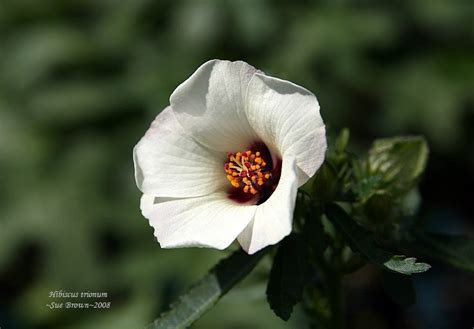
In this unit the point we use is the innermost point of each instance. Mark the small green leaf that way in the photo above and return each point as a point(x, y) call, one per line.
point(342, 140)
point(325, 184)
point(400, 160)
point(399, 288)
point(363, 241)
point(457, 251)
point(379, 206)
point(385, 180)
point(288, 276)
point(366, 184)
point(410, 203)
point(207, 292)
point(405, 265)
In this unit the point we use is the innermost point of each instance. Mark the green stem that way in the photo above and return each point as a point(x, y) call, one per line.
point(333, 294)
point(326, 305)
point(336, 300)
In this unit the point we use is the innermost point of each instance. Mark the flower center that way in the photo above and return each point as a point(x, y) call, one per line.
point(247, 171)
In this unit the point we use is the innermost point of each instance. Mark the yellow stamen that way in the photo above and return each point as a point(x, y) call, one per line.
point(247, 170)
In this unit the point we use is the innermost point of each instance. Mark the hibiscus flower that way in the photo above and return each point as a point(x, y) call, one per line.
point(224, 161)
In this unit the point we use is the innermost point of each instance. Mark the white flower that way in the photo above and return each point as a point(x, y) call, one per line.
point(226, 158)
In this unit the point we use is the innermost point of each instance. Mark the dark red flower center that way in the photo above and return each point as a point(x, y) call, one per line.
point(253, 174)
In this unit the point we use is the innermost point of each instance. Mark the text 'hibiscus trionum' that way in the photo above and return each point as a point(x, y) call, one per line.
point(226, 158)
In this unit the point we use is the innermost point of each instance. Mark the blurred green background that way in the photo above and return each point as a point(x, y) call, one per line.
point(80, 81)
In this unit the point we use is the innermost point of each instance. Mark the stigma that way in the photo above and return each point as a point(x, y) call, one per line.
point(247, 171)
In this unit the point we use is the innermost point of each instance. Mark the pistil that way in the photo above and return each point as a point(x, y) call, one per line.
point(247, 171)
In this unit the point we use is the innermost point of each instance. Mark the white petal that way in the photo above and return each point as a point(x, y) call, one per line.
point(273, 218)
point(170, 163)
point(210, 105)
point(286, 117)
point(210, 221)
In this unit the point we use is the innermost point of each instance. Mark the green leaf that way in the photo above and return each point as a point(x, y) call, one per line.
point(363, 241)
point(325, 184)
point(457, 251)
point(341, 141)
point(399, 288)
point(410, 203)
point(289, 274)
point(202, 296)
point(386, 178)
point(400, 160)
point(379, 207)
point(405, 265)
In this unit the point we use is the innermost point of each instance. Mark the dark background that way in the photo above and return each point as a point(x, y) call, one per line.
point(80, 81)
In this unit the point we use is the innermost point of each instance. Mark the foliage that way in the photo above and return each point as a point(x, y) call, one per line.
point(206, 293)
point(363, 242)
point(288, 277)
